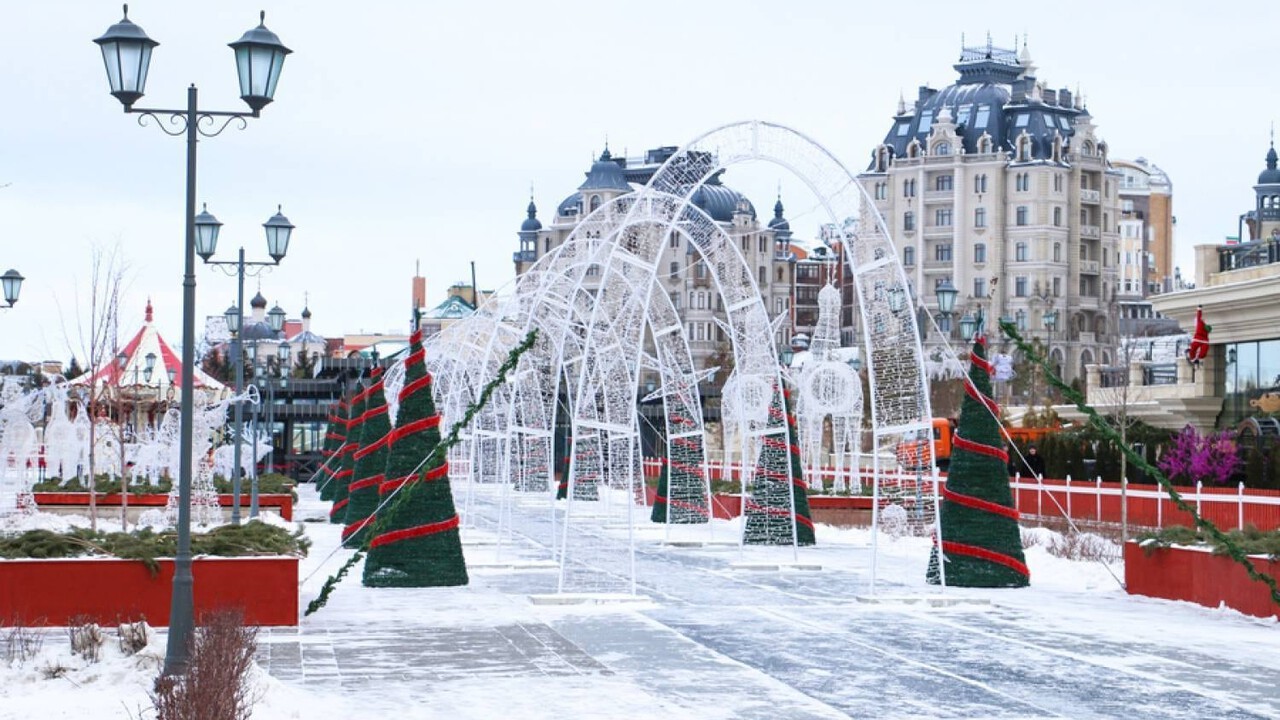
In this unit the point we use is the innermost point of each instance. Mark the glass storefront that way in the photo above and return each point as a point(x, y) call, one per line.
point(1252, 381)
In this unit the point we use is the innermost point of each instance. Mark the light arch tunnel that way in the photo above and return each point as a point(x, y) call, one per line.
point(604, 320)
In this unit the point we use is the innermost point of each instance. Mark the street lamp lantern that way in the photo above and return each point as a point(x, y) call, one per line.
point(946, 293)
point(967, 326)
point(1051, 320)
point(173, 373)
point(151, 363)
point(232, 315)
point(207, 227)
point(278, 230)
point(283, 353)
point(126, 51)
point(12, 282)
point(259, 58)
point(275, 318)
point(122, 360)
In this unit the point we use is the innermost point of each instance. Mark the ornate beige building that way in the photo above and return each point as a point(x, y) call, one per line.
point(1000, 185)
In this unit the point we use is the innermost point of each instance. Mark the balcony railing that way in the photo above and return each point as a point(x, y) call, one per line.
point(526, 256)
point(1090, 231)
point(1090, 196)
point(1089, 266)
point(1250, 254)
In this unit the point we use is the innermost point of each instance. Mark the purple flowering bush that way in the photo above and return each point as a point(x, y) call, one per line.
point(1192, 458)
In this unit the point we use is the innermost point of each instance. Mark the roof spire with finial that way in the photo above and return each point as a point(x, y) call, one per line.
point(149, 312)
point(902, 103)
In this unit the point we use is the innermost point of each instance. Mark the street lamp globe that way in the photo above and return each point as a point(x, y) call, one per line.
point(126, 51)
point(172, 373)
point(151, 362)
point(122, 360)
point(232, 315)
point(259, 58)
point(275, 318)
point(278, 230)
point(12, 282)
point(946, 293)
point(1051, 320)
point(207, 227)
point(283, 353)
point(967, 326)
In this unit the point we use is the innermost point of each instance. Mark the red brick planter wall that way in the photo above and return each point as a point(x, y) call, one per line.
point(110, 591)
point(281, 503)
point(1199, 576)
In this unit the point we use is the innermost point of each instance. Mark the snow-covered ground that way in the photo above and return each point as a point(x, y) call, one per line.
point(713, 638)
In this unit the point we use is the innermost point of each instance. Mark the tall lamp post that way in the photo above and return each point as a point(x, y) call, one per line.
point(11, 282)
point(126, 52)
point(279, 230)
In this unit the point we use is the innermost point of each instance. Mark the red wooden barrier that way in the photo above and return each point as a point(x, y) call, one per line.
point(280, 502)
point(1199, 576)
point(110, 591)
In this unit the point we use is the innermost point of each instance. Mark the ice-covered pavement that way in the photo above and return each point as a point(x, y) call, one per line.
point(718, 641)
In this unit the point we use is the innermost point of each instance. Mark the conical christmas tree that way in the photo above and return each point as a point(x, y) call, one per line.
point(334, 438)
point(347, 459)
point(371, 461)
point(981, 543)
point(417, 544)
point(769, 508)
point(681, 498)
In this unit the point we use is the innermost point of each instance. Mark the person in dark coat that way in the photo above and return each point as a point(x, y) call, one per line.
point(1032, 463)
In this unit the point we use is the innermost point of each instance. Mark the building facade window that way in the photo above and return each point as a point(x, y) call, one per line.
point(1020, 252)
point(1022, 182)
point(1057, 182)
point(1020, 215)
point(942, 252)
point(908, 255)
point(908, 221)
point(980, 217)
point(1020, 319)
point(908, 188)
point(979, 287)
point(1057, 287)
point(980, 253)
point(1057, 252)
point(980, 184)
point(675, 269)
point(943, 183)
point(942, 217)
point(1057, 217)
point(1020, 286)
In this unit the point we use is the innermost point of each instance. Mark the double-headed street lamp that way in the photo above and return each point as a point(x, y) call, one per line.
point(278, 230)
point(12, 285)
point(126, 52)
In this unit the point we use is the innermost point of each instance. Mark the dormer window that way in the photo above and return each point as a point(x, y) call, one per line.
point(942, 148)
point(595, 202)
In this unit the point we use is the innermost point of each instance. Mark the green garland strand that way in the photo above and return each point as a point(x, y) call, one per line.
point(406, 491)
point(1096, 420)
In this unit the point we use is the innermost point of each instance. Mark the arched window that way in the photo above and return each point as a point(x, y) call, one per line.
point(595, 202)
point(942, 149)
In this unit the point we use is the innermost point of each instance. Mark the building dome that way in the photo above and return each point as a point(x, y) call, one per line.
point(1270, 176)
point(531, 223)
point(778, 222)
point(258, 301)
point(995, 95)
point(606, 174)
point(306, 313)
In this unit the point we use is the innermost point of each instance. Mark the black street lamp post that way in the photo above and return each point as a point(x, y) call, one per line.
point(278, 230)
point(126, 52)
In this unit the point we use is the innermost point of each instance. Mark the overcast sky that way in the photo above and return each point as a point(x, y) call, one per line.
point(413, 130)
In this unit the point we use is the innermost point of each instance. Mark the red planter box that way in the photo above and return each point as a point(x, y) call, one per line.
point(281, 503)
point(110, 591)
point(1201, 577)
